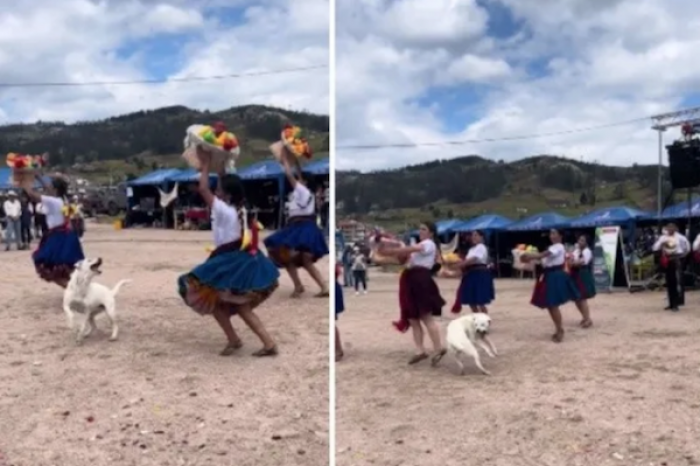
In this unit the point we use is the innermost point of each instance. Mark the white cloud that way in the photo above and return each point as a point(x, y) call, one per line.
point(605, 61)
point(85, 40)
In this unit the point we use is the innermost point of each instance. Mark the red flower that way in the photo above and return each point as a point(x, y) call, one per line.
point(20, 162)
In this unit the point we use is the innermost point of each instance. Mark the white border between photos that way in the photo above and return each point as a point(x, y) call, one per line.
point(331, 236)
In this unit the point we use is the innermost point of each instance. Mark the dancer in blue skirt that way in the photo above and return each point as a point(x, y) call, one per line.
point(301, 243)
point(59, 249)
point(476, 289)
point(582, 274)
point(232, 280)
point(339, 308)
point(554, 287)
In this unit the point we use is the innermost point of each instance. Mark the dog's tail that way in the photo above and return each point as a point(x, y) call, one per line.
point(118, 286)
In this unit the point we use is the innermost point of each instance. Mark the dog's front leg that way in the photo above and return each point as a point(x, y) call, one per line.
point(491, 346)
point(69, 314)
point(84, 330)
point(477, 361)
point(486, 348)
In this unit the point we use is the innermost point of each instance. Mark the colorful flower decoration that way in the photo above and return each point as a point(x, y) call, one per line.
point(295, 141)
point(26, 162)
point(219, 137)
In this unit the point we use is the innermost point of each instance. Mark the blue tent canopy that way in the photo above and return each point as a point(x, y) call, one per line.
point(318, 167)
point(155, 178)
point(190, 175)
point(611, 216)
point(540, 222)
point(681, 210)
point(265, 170)
point(446, 226)
point(6, 179)
point(490, 222)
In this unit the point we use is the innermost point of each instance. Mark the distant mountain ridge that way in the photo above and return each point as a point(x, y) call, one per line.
point(157, 132)
point(471, 185)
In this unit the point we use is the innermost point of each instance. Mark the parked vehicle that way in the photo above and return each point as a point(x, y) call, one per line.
point(105, 200)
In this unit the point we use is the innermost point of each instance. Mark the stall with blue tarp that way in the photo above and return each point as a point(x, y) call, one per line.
point(611, 216)
point(446, 227)
point(486, 223)
point(268, 170)
point(540, 222)
point(317, 167)
point(681, 210)
point(155, 178)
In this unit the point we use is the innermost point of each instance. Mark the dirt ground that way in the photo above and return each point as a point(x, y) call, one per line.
point(161, 395)
point(626, 392)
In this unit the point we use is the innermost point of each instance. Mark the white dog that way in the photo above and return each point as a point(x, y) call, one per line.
point(83, 296)
point(463, 336)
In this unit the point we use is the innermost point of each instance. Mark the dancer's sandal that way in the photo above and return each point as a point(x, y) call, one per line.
point(417, 358)
point(438, 357)
point(322, 294)
point(586, 323)
point(265, 352)
point(231, 348)
point(558, 337)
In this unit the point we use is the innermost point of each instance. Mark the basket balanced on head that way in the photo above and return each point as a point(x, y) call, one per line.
point(25, 166)
point(221, 144)
point(292, 146)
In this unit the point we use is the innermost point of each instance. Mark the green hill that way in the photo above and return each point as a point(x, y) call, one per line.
point(132, 144)
point(469, 186)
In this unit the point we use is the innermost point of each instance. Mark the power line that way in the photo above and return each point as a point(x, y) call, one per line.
point(163, 81)
point(491, 140)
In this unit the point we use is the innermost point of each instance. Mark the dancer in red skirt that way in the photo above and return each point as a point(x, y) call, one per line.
point(554, 287)
point(581, 271)
point(419, 295)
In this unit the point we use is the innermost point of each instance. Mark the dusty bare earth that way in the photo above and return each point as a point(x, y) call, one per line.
point(626, 392)
point(161, 395)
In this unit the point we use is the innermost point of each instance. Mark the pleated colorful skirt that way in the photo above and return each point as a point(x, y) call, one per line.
point(583, 277)
point(230, 278)
point(418, 295)
point(301, 236)
point(57, 254)
point(476, 288)
point(554, 288)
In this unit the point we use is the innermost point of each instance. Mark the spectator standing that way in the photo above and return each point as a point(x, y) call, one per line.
point(26, 222)
point(359, 271)
point(40, 226)
point(13, 213)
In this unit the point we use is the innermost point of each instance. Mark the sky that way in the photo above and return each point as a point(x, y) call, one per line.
point(416, 71)
point(116, 40)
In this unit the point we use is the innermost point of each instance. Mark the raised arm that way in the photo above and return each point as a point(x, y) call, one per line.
point(31, 192)
point(203, 187)
point(288, 171)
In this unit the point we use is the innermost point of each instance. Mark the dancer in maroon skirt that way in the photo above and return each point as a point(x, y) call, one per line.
point(419, 295)
point(581, 271)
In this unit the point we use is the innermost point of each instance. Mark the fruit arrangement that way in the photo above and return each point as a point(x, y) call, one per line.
point(23, 162)
point(221, 144)
point(451, 258)
point(295, 141)
point(221, 139)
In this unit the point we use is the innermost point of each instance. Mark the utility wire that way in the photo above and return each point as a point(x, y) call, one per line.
point(162, 81)
point(491, 140)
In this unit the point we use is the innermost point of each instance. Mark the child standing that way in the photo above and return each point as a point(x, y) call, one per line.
point(232, 280)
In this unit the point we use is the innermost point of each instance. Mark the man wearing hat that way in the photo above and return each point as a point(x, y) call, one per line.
point(674, 248)
point(13, 214)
